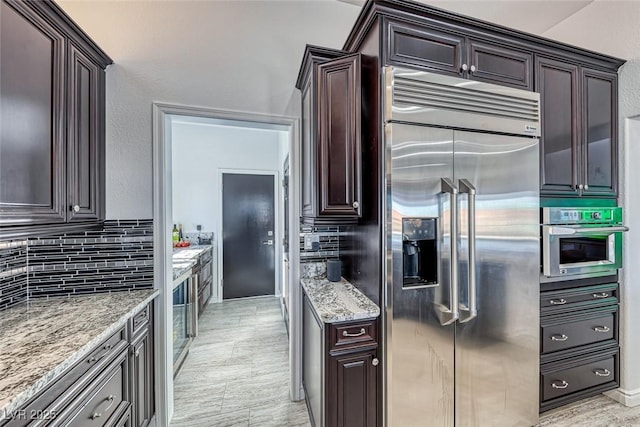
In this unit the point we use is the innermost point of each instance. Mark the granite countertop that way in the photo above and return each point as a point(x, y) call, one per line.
point(338, 301)
point(39, 340)
point(185, 258)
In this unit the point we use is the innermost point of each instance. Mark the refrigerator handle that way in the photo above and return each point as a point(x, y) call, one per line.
point(470, 311)
point(450, 314)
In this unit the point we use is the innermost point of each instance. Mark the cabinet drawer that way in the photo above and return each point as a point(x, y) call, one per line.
point(423, 47)
point(104, 402)
point(582, 375)
point(203, 298)
point(569, 332)
point(578, 298)
point(48, 404)
point(352, 335)
point(140, 320)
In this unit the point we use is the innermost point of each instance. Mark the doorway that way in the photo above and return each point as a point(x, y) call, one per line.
point(164, 116)
point(248, 235)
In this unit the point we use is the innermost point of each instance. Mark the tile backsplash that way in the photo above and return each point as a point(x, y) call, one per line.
point(326, 242)
point(118, 257)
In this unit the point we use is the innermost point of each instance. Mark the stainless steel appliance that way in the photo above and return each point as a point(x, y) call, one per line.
point(185, 317)
point(581, 242)
point(461, 252)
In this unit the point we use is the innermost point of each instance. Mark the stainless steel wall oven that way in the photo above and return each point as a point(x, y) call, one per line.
point(581, 242)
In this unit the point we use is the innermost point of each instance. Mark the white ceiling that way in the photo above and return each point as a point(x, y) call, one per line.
point(532, 16)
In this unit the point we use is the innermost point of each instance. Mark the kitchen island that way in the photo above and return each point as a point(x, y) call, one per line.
point(42, 339)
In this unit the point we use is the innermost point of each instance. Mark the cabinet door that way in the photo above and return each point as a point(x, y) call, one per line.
point(32, 154)
point(308, 154)
point(419, 46)
point(339, 162)
point(499, 65)
point(599, 139)
point(353, 378)
point(557, 83)
point(84, 144)
point(142, 391)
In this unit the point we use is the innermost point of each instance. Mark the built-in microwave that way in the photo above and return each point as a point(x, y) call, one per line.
point(581, 242)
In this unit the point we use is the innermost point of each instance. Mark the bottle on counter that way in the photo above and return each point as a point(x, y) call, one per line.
point(175, 235)
point(180, 236)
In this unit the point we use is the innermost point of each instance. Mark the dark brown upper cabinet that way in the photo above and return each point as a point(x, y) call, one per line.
point(331, 144)
point(52, 121)
point(450, 52)
point(579, 138)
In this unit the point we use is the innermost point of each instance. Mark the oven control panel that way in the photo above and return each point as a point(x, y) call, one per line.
point(582, 215)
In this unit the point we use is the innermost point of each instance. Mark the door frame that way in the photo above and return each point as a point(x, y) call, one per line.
point(277, 235)
point(162, 114)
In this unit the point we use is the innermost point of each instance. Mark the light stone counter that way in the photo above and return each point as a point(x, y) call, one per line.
point(39, 340)
point(338, 301)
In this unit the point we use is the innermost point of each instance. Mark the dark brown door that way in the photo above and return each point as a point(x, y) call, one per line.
point(248, 235)
point(418, 46)
point(339, 165)
point(354, 378)
point(599, 139)
point(83, 149)
point(499, 65)
point(557, 83)
point(142, 379)
point(32, 152)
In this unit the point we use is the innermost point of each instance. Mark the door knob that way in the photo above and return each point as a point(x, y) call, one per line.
point(356, 205)
point(75, 208)
point(465, 67)
point(472, 69)
point(375, 361)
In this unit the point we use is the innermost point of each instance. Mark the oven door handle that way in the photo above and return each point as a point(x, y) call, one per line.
point(567, 231)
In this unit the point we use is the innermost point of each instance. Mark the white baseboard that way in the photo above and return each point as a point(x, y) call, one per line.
point(626, 397)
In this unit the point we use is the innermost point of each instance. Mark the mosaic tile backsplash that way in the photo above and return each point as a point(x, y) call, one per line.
point(320, 243)
point(118, 257)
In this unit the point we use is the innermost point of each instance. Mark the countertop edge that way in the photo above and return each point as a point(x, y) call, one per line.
point(14, 403)
point(332, 319)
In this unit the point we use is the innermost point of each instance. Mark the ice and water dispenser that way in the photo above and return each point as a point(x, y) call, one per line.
point(419, 252)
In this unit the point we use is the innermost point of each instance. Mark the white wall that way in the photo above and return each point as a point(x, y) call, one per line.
point(234, 55)
point(613, 27)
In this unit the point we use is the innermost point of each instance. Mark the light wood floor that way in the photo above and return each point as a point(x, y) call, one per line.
point(237, 370)
point(599, 411)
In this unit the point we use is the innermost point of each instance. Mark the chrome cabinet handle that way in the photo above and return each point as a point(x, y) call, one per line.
point(359, 334)
point(601, 329)
point(96, 358)
point(464, 67)
point(375, 361)
point(561, 385)
point(560, 301)
point(448, 315)
point(602, 372)
point(601, 295)
point(110, 400)
point(74, 208)
point(356, 205)
point(472, 69)
point(470, 311)
point(560, 337)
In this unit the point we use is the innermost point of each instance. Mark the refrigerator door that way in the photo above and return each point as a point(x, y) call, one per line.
point(419, 348)
point(496, 357)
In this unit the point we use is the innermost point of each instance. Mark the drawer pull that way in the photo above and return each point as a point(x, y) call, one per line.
point(601, 329)
point(561, 337)
point(602, 372)
point(110, 400)
point(560, 385)
point(107, 348)
point(601, 295)
point(560, 301)
point(359, 334)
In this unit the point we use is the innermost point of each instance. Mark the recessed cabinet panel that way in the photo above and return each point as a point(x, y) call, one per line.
point(83, 138)
point(339, 136)
point(499, 65)
point(423, 47)
point(558, 86)
point(31, 113)
point(599, 115)
point(308, 154)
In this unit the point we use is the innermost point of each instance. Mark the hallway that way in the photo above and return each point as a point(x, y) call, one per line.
point(237, 371)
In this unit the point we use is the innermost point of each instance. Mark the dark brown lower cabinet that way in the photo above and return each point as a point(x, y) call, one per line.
point(340, 371)
point(113, 385)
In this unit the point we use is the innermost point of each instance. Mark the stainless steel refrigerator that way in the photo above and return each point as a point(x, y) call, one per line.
point(462, 252)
